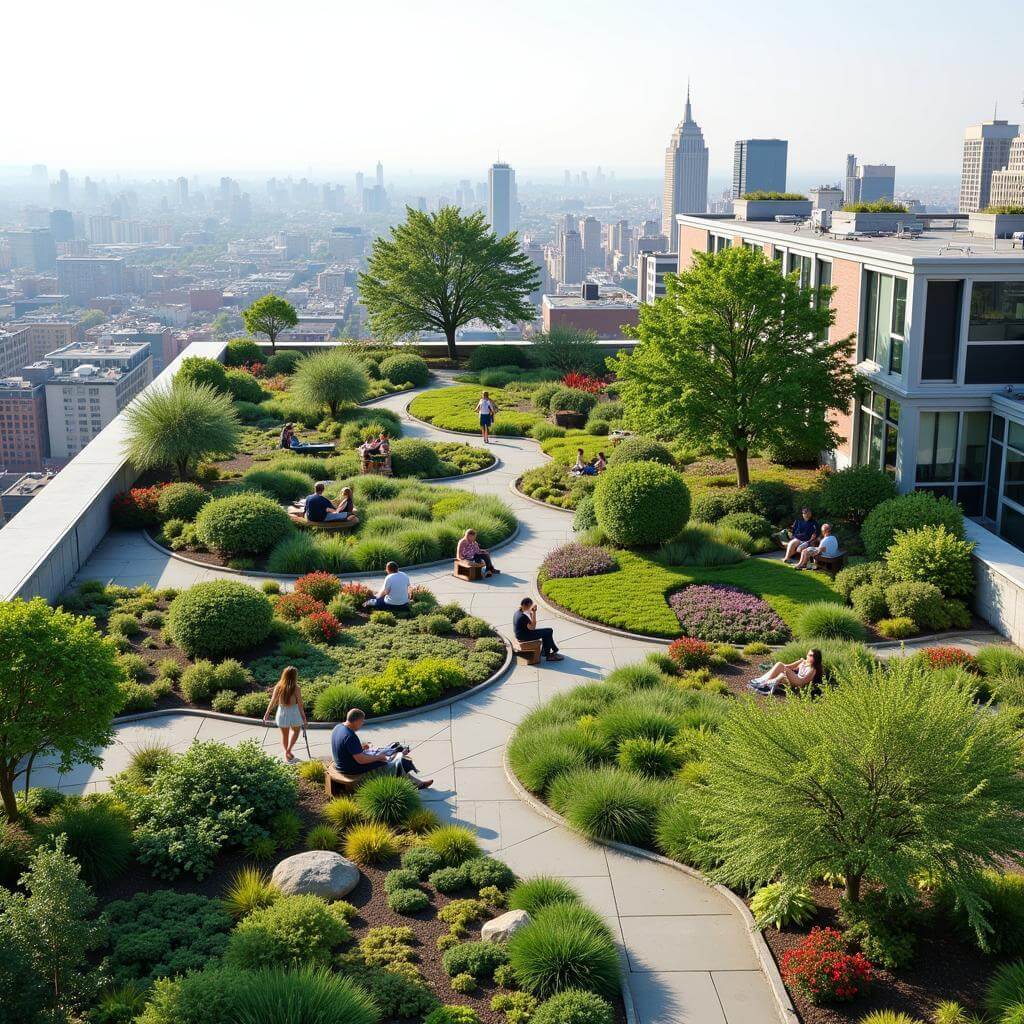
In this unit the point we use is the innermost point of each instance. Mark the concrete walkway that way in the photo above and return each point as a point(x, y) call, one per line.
point(689, 957)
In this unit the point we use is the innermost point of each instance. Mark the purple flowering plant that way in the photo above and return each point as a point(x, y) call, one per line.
point(574, 560)
point(723, 613)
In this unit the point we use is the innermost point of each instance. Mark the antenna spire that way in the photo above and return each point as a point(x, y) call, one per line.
point(688, 115)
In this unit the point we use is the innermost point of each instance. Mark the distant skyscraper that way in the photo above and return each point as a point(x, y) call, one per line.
point(182, 185)
point(380, 175)
point(1008, 184)
point(759, 165)
point(850, 185)
point(686, 175)
point(590, 233)
point(986, 149)
point(572, 269)
point(501, 192)
point(874, 182)
point(62, 226)
point(360, 177)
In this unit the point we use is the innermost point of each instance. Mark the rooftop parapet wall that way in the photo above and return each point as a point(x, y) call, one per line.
point(49, 540)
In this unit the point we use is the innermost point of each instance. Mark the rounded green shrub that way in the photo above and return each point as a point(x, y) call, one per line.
point(869, 602)
point(243, 351)
point(572, 400)
point(293, 931)
point(489, 871)
point(534, 894)
point(387, 798)
point(896, 629)
point(412, 457)
point(283, 362)
point(933, 555)
point(453, 1015)
point(284, 485)
point(575, 1006)
point(708, 508)
point(640, 504)
point(454, 844)
point(847, 580)
point(921, 602)
point(408, 901)
point(422, 861)
point(640, 449)
point(853, 492)
point(611, 804)
point(219, 617)
point(198, 370)
point(749, 522)
point(244, 387)
point(586, 515)
point(97, 834)
point(477, 959)
point(830, 621)
point(406, 368)
point(181, 501)
point(242, 524)
point(908, 512)
point(337, 701)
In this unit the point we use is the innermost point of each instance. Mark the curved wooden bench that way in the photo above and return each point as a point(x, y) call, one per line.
point(337, 524)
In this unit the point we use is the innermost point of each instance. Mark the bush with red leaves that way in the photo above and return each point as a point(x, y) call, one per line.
point(360, 591)
point(321, 586)
point(822, 969)
point(320, 628)
point(687, 652)
point(947, 657)
point(137, 508)
point(583, 382)
point(293, 607)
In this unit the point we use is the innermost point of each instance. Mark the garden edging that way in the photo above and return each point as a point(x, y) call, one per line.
point(513, 486)
point(783, 1004)
point(395, 716)
point(457, 433)
point(261, 574)
point(390, 394)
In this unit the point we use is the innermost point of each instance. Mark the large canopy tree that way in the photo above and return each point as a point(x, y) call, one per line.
point(440, 270)
point(737, 357)
point(270, 315)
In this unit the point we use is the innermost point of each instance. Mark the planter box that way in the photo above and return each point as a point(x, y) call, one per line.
point(871, 222)
point(995, 225)
point(572, 420)
point(769, 209)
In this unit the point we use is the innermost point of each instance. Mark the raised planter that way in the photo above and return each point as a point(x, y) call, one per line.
point(571, 420)
point(769, 209)
point(866, 223)
point(995, 225)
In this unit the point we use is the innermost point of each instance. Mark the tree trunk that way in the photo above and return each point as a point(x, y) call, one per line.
point(853, 887)
point(450, 338)
point(742, 469)
point(272, 335)
point(7, 793)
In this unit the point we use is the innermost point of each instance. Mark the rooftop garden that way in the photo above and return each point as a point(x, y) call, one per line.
point(878, 206)
point(1012, 209)
point(762, 196)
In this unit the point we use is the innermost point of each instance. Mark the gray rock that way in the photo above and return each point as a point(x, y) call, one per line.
point(318, 873)
point(502, 928)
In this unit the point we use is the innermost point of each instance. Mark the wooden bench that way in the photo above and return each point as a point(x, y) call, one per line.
point(831, 565)
point(530, 650)
point(375, 466)
point(296, 516)
point(468, 570)
point(336, 782)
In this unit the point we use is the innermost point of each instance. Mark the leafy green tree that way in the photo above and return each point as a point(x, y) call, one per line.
point(330, 378)
point(92, 318)
point(568, 350)
point(58, 690)
point(178, 426)
point(270, 316)
point(221, 324)
point(440, 270)
point(51, 927)
point(735, 356)
point(891, 774)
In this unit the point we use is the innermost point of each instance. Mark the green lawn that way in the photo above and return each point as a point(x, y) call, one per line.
point(635, 596)
point(454, 408)
point(563, 449)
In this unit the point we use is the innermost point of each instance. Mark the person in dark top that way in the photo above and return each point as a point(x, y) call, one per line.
point(524, 625)
point(318, 508)
point(353, 757)
point(804, 533)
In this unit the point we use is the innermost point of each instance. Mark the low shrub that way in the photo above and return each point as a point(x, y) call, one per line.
point(830, 621)
point(908, 512)
point(292, 931)
point(884, 929)
point(574, 1006)
point(566, 399)
point(821, 969)
point(896, 629)
point(453, 844)
point(219, 617)
point(484, 872)
point(97, 833)
point(641, 449)
point(477, 959)
point(869, 602)
point(574, 560)
point(610, 804)
point(15, 850)
point(782, 904)
point(181, 501)
point(136, 508)
point(453, 1015)
point(284, 485)
point(387, 798)
point(450, 880)
point(242, 524)
point(408, 901)
point(933, 555)
point(370, 844)
point(921, 602)
point(422, 861)
point(405, 368)
point(723, 613)
point(688, 652)
point(643, 503)
point(849, 579)
point(750, 523)
point(853, 492)
point(533, 894)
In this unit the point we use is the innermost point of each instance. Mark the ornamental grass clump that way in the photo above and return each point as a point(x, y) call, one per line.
point(719, 612)
point(574, 560)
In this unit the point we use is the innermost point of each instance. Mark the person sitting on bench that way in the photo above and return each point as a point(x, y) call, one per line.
point(353, 757)
point(290, 442)
point(828, 547)
point(377, 448)
point(524, 625)
point(470, 551)
point(318, 508)
point(394, 595)
point(804, 532)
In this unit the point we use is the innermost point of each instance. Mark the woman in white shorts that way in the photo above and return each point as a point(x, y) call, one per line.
point(291, 715)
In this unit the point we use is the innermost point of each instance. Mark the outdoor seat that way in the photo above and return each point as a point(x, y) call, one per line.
point(470, 571)
point(295, 514)
point(376, 466)
point(831, 565)
point(336, 782)
point(529, 650)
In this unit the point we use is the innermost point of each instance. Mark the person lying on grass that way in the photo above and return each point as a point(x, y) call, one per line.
point(796, 675)
point(470, 551)
point(353, 757)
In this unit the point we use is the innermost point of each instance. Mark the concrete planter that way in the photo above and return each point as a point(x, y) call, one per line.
point(866, 223)
point(995, 225)
point(769, 209)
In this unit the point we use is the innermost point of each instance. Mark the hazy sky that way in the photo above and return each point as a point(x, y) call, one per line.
point(188, 86)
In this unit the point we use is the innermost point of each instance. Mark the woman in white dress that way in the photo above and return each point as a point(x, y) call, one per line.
point(797, 674)
point(291, 715)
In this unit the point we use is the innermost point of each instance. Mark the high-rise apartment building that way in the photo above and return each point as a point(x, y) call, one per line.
point(535, 252)
point(1008, 184)
point(85, 277)
point(128, 330)
point(62, 226)
point(590, 233)
point(986, 150)
point(24, 434)
point(32, 248)
point(181, 186)
point(867, 183)
point(45, 333)
point(650, 276)
point(850, 179)
point(620, 239)
point(13, 349)
point(571, 269)
point(380, 175)
point(500, 197)
point(759, 165)
point(686, 174)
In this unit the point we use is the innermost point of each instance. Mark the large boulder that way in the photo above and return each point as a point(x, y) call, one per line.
point(502, 928)
point(317, 873)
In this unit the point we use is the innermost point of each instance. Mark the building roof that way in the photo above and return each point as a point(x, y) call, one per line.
point(621, 301)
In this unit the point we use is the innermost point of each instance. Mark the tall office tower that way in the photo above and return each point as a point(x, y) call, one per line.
point(32, 248)
point(759, 165)
point(686, 175)
point(62, 225)
point(874, 182)
point(572, 258)
point(535, 253)
point(101, 229)
point(359, 186)
point(1008, 184)
point(467, 191)
point(500, 193)
point(850, 186)
point(85, 277)
point(182, 184)
point(566, 224)
point(590, 233)
point(986, 149)
point(380, 175)
point(60, 190)
point(568, 178)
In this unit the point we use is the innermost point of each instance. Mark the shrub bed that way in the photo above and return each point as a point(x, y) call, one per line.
point(726, 613)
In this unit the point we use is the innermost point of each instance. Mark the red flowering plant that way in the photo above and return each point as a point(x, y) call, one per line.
point(279, 382)
point(321, 586)
point(583, 382)
point(822, 969)
point(320, 628)
point(688, 652)
point(137, 508)
point(295, 606)
point(256, 369)
point(947, 657)
point(360, 591)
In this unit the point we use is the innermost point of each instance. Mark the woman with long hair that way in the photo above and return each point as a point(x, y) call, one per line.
point(797, 674)
point(291, 715)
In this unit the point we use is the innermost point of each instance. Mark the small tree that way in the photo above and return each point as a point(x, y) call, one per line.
point(330, 378)
point(50, 926)
point(440, 270)
point(736, 356)
point(91, 318)
point(893, 773)
point(270, 316)
point(568, 350)
point(178, 426)
point(58, 690)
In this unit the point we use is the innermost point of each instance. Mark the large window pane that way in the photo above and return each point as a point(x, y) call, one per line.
point(870, 314)
point(882, 322)
point(1012, 527)
point(1016, 435)
point(891, 440)
point(970, 499)
point(973, 446)
point(863, 432)
point(995, 465)
point(876, 441)
point(936, 447)
point(994, 364)
point(997, 311)
point(941, 330)
point(899, 306)
point(1013, 484)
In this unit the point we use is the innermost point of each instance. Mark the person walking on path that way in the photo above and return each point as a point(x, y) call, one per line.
point(487, 410)
point(291, 715)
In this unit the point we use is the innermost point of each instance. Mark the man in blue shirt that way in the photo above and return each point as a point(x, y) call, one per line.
point(318, 508)
point(804, 533)
point(353, 757)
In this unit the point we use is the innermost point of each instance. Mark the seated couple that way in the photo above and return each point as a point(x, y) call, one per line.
point(796, 675)
point(470, 551)
point(318, 508)
point(596, 465)
point(807, 540)
point(291, 443)
point(377, 447)
point(353, 757)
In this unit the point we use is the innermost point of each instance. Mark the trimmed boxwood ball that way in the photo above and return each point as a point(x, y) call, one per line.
point(640, 449)
point(405, 368)
point(219, 617)
point(642, 503)
point(282, 484)
point(908, 512)
point(572, 400)
point(757, 526)
point(411, 457)
point(408, 901)
point(181, 501)
point(242, 524)
point(853, 492)
point(241, 351)
point(574, 1006)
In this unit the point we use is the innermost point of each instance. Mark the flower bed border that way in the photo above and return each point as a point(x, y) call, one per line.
point(783, 1004)
point(394, 716)
point(513, 486)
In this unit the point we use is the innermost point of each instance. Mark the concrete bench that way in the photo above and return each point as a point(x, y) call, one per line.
point(470, 571)
point(337, 782)
point(529, 650)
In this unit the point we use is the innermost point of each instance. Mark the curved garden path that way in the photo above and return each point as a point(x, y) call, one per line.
point(688, 954)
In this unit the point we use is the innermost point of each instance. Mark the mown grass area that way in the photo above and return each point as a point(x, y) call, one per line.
point(454, 408)
point(635, 596)
point(563, 449)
